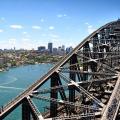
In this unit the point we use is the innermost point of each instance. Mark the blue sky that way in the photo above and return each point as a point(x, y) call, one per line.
point(31, 23)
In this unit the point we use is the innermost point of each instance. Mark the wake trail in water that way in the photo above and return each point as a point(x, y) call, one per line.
point(14, 88)
point(12, 81)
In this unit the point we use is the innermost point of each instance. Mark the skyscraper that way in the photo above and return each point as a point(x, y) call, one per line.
point(41, 48)
point(50, 47)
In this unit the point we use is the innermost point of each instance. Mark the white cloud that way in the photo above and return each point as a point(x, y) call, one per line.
point(90, 28)
point(87, 23)
point(64, 15)
point(25, 39)
point(51, 27)
point(42, 20)
point(16, 26)
point(53, 35)
point(61, 15)
point(44, 34)
point(36, 27)
point(1, 30)
point(24, 32)
point(2, 19)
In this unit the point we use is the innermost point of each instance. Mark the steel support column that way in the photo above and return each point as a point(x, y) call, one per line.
point(85, 65)
point(63, 96)
point(73, 60)
point(54, 94)
point(95, 46)
point(25, 110)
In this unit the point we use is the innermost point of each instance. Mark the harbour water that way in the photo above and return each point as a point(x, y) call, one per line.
point(14, 81)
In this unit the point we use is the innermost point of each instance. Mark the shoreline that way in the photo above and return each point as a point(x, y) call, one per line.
point(7, 68)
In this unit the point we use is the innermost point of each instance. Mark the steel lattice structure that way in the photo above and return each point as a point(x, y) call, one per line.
point(84, 85)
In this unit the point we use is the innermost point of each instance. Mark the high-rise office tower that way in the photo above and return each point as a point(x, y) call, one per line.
point(50, 47)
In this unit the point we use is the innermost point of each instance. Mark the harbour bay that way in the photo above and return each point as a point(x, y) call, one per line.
point(16, 80)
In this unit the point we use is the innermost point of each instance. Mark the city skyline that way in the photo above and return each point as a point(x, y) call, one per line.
point(46, 47)
point(28, 24)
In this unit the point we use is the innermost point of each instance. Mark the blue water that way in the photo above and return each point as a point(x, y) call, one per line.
point(14, 81)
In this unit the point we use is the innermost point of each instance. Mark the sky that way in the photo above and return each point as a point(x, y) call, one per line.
point(28, 24)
